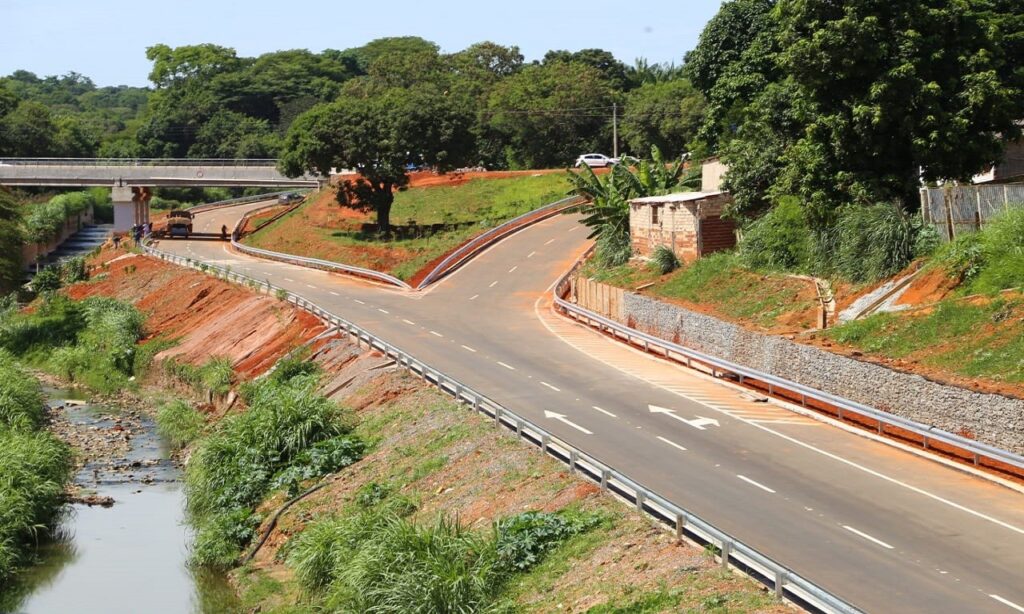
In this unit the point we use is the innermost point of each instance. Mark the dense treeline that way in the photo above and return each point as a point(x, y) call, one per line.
point(206, 101)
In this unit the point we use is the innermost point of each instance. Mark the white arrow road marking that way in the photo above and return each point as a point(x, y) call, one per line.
point(867, 537)
point(1007, 602)
point(561, 418)
point(699, 423)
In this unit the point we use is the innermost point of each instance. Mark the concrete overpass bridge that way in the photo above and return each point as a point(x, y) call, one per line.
point(132, 179)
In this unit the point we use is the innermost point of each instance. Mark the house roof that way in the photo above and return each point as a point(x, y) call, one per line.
point(678, 197)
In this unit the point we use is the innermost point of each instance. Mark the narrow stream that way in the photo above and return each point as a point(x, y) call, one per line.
point(130, 557)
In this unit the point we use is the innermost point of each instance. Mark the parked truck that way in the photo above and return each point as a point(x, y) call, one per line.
point(179, 223)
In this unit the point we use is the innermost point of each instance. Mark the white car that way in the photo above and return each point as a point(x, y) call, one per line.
point(595, 160)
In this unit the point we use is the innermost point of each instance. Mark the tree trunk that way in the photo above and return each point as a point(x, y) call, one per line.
point(383, 199)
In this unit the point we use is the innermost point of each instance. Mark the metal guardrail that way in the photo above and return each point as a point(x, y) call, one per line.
point(316, 263)
point(929, 434)
point(241, 200)
point(785, 582)
point(137, 162)
point(472, 247)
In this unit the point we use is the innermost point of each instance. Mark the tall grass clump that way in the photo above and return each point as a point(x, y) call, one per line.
point(378, 560)
point(179, 423)
point(21, 400)
point(287, 428)
point(34, 469)
point(665, 260)
point(780, 240)
point(990, 260)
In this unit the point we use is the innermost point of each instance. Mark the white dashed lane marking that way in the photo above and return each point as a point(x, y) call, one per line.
point(359, 301)
point(550, 242)
point(493, 283)
point(436, 334)
point(509, 367)
point(604, 411)
point(513, 269)
point(552, 387)
point(867, 537)
point(671, 443)
point(753, 483)
point(409, 322)
point(473, 298)
point(383, 310)
point(468, 349)
point(531, 254)
point(333, 293)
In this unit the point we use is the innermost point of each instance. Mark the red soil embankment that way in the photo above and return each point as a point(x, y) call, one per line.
point(205, 316)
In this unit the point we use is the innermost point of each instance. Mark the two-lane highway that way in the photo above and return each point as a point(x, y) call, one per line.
point(883, 528)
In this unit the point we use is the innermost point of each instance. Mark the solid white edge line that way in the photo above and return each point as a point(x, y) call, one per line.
point(507, 366)
point(1007, 602)
point(753, 483)
point(552, 387)
point(672, 443)
point(867, 537)
point(468, 349)
point(604, 411)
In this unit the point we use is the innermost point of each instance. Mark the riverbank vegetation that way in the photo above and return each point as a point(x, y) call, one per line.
point(35, 467)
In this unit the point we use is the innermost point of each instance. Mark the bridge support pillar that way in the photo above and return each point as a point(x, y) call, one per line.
point(131, 207)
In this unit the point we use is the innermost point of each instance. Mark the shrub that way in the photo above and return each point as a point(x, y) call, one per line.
point(962, 258)
point(47, 280)
point(322, 458)
point(179, 423)
point(21, 401)
point(665, 260)
point(34, 470)
point(780, 240)
point(874, 242)
point(73, 270)
point(524, 539)
point(219, 539)
point(216, 375)
point(1002, 246)
point(613, 249)
point(292, 367)
point(236, 465)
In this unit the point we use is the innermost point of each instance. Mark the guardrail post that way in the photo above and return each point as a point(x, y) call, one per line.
point(640, 501)
point(604, 479)
point(519, 428)
point(680, 523)
point(544, 439)
point(572, 461)
point(780, 584)
point(458, 393)
point(726, 550)
point(497, 414)
point(476, 404)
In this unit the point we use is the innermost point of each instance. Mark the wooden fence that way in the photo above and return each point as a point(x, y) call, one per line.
point(954, 210)
point(596, 296)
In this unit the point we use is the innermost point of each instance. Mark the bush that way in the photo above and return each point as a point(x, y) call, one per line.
point(1002, 247)
point(219, 539)
point(236, 466)
point(780, 240)
point(216, 375)
point(524, 539)
point(21, 400)
point(874, 242)
point(73, 270)
point(179, 423)
point(613, 249)
point(322, 458)
point(665, 260)
point(34, 470)
point(47, 280)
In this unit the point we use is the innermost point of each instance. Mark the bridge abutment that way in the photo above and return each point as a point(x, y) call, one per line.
point(131, 207)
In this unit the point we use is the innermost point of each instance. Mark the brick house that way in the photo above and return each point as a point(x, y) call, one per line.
point(688, 223)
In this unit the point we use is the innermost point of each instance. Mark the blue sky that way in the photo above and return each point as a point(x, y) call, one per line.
point(106, 39)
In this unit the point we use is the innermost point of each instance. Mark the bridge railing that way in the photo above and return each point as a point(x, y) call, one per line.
point(729, 550)
point(137, 162)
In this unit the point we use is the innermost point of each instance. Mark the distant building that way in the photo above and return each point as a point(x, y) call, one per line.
point(688, 223)
point(1009, 169)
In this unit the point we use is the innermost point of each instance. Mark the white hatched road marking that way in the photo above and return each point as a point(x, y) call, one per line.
point(867, 537)
point(753, 483)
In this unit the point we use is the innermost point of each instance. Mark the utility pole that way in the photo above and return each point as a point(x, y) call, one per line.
point(615, 130)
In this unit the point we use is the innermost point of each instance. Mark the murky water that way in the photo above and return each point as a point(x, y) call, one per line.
point(128, 558)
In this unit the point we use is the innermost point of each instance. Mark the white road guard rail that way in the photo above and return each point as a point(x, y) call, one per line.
point(785, 582)
point(314, 263)
point(138, 162)
point(931, 437)
point(481, 242)
point(241, 200)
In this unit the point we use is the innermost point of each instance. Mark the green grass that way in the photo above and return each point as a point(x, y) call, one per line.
point(34, 469)
point(290, 433)
point(718, 280)
point(975, 340)
point(466, 210)
point(179, 423)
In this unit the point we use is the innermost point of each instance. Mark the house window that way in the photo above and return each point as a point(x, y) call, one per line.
point(655, 216)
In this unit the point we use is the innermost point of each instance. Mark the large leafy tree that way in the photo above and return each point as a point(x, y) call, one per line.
point(378, 135)
point(666, 115)
point(551, 113)
point(11, 240)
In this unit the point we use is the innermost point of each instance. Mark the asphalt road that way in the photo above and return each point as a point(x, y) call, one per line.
point(885, 529)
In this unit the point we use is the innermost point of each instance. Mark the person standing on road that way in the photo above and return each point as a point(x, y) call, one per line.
point(224, 232)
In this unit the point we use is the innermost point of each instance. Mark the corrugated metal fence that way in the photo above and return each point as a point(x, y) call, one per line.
point(954, 210)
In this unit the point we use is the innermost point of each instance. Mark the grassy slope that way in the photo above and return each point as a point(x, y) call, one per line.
point(717, 284)
point(451, 461)
point(482, 202)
